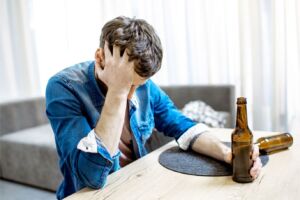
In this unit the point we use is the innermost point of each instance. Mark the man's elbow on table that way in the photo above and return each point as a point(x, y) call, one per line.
point(90, 174)
point(92, 180)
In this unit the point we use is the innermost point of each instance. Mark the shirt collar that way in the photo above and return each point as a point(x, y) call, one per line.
point(134, 100)
point(95, 92)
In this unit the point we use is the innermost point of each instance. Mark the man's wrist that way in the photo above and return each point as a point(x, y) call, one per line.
point(227, 155)
point(119, 93)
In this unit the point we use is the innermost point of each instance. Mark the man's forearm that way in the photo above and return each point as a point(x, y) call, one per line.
point(209, 145)
point(110, 124)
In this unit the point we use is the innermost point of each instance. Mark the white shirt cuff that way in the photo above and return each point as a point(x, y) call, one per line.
point(186, 138)
point(88, 143)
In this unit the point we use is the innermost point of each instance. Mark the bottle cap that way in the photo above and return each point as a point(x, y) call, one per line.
point(241, 100)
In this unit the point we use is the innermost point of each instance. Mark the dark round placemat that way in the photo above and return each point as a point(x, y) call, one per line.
point(192, 163)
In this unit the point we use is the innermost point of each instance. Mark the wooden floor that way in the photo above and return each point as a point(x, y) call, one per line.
point(16, 191)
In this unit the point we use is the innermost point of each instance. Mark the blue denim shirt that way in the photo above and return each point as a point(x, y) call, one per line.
point(73, 105)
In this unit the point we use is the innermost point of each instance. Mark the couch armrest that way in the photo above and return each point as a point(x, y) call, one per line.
point(21, 114)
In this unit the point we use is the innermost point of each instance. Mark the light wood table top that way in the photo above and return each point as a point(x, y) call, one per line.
point(147, 179)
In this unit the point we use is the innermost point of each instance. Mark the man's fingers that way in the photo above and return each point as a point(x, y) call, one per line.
point(100, 73)
point(125, 60)
point(256, 165)
point(99, 70)
point(254, 172)
point(106, 50)
point(116, 52)
point(255, 152)
point(125, 56)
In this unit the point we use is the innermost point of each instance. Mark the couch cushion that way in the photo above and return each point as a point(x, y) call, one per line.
point(201, 112)
point(227, 118)
point(219, 97)
point(29, 156)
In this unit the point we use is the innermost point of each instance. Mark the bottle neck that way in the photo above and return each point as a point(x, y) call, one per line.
point(241, 117)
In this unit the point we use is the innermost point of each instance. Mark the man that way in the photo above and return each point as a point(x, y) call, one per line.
point(102, 112)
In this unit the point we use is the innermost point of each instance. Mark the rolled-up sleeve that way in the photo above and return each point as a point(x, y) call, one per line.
point(70, 127)
point(186, 138)
point(93, 144)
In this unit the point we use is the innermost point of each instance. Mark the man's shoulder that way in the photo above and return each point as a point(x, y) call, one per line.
point(69, 79)
point(153, 90)
point(78, 73)
point(152, 86)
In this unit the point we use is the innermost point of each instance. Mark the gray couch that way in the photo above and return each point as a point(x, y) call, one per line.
point(27, 147)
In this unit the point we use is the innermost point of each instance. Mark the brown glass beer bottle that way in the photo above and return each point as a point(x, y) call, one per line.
point(274, 143)
point(241, 145)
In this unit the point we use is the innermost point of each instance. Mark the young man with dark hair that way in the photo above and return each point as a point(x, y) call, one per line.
point(102, 112)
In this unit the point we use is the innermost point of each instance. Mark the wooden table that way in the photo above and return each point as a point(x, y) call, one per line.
point(147, 179)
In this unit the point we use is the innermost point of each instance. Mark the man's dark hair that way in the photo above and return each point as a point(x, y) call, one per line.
point(139, 37)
